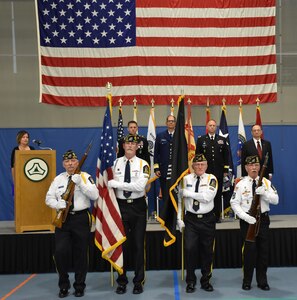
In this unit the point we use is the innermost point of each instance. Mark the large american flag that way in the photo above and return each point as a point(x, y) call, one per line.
point(109, 231)
point(210, 49)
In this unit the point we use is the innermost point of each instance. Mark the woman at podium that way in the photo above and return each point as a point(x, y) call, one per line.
point(22, 139)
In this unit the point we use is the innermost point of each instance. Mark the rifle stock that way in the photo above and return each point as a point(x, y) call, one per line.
point(255, 209)
point(68, 194)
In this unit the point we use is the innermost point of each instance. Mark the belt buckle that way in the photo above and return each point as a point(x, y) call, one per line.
point(199, 216)
point(129, 200)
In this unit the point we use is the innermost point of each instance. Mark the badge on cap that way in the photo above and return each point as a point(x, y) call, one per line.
point(69, 154)
point(199, 157)
point(131, 138)
point(252, 160)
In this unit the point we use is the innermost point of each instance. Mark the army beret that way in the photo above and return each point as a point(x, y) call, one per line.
point(252, 160)
point(199, 157)
point(130, 138)
point(69, 154)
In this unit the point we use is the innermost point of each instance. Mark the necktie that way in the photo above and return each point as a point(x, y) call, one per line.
point(212, 138)
point(170, 136)
point(259, 149)
point(72, 199)
point(195, 202)
point(127, 178)
point(254, 186)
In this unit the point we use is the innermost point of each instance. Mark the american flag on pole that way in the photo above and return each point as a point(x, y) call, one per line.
point(109, 231)
point(151, 48)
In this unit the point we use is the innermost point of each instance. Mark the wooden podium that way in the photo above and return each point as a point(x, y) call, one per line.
point(34, 172)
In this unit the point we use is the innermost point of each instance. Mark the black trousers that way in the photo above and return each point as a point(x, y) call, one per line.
point(256, 254)
point(134, 221)
point(73, 238)
point(199, 234)
point(218, 197)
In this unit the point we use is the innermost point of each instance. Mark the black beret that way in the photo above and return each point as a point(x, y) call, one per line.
point(69, 154)
point(252, 160)
point(131, 138)
point(199, 157)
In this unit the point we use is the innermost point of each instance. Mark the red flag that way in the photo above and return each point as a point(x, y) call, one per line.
point(190, 136)
point(207, 119)
point(150, 48)
point(109, 231)
point(258, 117)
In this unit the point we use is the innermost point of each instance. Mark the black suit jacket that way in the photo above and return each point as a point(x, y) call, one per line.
point(216, 154)
point(249, 149)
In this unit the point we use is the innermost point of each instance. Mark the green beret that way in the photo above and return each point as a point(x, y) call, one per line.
point(131, 138)
point(199, 157)
point(69, 154)
point(252, 160)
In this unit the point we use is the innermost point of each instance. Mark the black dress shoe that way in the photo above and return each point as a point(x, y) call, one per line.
point(63, 293)
point(264, 287)
point(246, 286)
point(207, 287)
point(79, 293)
point(190, 288)
point(138, 289)
point(121, 289)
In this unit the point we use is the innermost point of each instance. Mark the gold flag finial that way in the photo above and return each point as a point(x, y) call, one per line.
point(108, 87)
point(135, 102)
point(258, 101)
point(153, 103)
point(120, 102)
point(240, 102)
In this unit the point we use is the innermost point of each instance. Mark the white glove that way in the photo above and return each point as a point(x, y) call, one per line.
point(114, 184)
point(61, 204)
point(76, 178)
point(186, 193)
point(180, 225)
point(249, 219)
point(260, 190)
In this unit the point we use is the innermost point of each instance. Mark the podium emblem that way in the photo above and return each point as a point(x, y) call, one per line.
point(36, 169)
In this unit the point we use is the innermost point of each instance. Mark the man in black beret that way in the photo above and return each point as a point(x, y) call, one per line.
point(255, 254)
point(131, 174)
point(199, 190)
point(75, 231)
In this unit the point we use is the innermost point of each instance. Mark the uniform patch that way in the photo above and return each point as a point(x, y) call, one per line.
point(213, 183)
point(146, 169)
point(189, 185)
point(234, 195)
point(91, 180)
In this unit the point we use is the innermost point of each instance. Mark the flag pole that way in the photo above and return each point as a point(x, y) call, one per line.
point(108, 98)
point(222, 198)
point(172, 107)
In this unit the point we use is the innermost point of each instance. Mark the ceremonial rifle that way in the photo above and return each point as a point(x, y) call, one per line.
point(69, 193)
point(255, 209)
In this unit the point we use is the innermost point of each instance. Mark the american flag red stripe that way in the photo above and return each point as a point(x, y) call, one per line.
point(210, 49)
point(109, 230)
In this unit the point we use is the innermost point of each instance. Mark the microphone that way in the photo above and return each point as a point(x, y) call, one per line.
point(37, 142)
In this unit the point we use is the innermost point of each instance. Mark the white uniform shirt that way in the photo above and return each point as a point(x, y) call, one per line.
point(208, 186)
point(140, 173)
point(83, 193)
point(243, 195)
